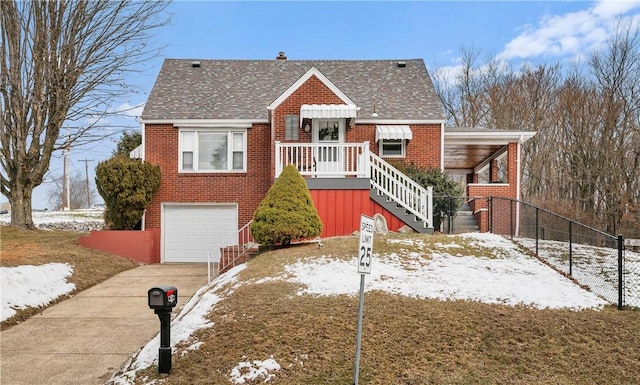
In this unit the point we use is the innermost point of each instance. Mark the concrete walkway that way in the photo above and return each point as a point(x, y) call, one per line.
point(84, 339)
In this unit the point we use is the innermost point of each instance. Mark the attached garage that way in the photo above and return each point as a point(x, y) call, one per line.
point(191, 231)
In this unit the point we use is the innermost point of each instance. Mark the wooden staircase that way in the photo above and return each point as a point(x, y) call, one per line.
point(400, 195)
point(400, 212)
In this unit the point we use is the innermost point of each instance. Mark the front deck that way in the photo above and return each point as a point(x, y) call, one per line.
point(354, 160)
point(335, 160)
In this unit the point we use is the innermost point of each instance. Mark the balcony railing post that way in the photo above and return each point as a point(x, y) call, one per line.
point(279, 165)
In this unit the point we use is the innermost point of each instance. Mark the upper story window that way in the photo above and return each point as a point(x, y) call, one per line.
point(392, 148)
point(212, 151)
point(291, 127)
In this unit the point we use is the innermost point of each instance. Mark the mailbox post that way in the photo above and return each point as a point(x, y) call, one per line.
point(162, 299)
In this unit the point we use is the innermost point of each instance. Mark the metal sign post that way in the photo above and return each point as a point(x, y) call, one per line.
point(365, 250)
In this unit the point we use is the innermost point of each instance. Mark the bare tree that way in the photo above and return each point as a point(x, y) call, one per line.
point(63, 61)
point(77, 193)
point(585, 159)
point(462, 92)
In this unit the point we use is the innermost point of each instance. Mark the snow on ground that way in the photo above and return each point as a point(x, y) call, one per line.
point(32, 286)
point(508, 277)
point(192, 317)
point(595, 267)
point(249, 371)
point(442, 271)
point(48, 217)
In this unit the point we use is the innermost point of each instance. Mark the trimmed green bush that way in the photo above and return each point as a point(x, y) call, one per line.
point(287, 212)
point(127, 187)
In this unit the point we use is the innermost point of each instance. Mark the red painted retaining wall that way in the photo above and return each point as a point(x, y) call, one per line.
point(141, 246)
point(340, 211)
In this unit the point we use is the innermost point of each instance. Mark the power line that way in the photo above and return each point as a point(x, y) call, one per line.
point(86, 170)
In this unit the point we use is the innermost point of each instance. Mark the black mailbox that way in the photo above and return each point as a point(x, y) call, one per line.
point(163, 297)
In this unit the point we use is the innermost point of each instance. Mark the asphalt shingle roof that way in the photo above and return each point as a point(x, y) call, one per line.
point(242, 89)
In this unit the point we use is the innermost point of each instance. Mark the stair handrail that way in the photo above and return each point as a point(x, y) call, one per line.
point(402, 189)
point(242, 246)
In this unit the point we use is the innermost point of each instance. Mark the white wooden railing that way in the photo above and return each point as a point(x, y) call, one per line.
point(325, 160)
point(401, 189)
point(355, 160)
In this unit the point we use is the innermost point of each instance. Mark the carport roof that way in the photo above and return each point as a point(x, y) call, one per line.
point(465, 148)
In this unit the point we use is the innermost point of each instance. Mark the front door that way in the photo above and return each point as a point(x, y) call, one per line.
point(329, 134)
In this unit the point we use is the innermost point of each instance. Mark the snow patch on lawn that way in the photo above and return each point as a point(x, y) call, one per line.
point(32, 286)
point(192, 317)
point(510, 277)
point(255, 370)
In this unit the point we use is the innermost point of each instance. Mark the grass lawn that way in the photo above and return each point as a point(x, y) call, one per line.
point(405, 340)
point(36, 247)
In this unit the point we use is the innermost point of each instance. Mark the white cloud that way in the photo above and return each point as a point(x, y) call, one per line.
point(609, 9)
point(569, 34)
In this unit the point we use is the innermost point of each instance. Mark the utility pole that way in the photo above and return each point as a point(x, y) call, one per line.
point(66, 196)
point(66, 188)
point(86, 173)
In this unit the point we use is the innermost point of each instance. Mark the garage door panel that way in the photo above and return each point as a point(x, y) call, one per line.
point(192, 231)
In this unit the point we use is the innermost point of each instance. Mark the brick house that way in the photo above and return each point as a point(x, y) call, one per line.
point(222, 130)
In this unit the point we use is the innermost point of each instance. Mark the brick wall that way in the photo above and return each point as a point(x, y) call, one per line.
point(501, 221)
point(246, 189)
point(423, 149)
point(313, 91)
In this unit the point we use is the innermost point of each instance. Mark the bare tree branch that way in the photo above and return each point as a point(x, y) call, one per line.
point(64, 61)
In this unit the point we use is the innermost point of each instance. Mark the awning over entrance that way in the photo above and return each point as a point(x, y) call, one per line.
point(393, 132)
point(327, 111)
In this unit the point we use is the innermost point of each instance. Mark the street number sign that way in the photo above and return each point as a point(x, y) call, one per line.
point(365, 250)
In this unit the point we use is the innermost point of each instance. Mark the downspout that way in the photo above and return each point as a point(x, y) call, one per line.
point(518, 181)
point(143, 154)
point(442, 146)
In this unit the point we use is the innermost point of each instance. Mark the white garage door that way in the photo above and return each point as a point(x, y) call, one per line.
point(191, 231)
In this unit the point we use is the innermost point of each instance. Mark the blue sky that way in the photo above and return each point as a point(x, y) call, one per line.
point(517, 31)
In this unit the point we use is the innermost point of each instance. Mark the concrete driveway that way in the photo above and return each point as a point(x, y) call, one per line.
point(84, 339)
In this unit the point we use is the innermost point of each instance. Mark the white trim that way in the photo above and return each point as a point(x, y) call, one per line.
point(442, 147)
point(488, 184)
point(226, 130)
point(487, 161)
point(313, 71)
point(397, 121)
point(403, 149)
point(208, 123)
point(487, 137)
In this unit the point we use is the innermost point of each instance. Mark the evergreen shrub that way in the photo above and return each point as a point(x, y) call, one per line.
point(287, 212)
point(127, 187)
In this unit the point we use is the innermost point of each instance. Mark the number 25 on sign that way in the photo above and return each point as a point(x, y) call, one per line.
point(366, 244)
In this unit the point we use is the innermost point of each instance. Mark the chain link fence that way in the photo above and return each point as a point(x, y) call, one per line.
point(453, 215)
point(594, 259)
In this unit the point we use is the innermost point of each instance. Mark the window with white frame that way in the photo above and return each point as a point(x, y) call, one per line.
point(212, 150)
point(392, 148)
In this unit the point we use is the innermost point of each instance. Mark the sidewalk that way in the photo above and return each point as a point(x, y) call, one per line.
point(84, 339)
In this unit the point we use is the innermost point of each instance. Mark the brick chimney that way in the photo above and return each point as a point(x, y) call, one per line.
point(281, 56)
